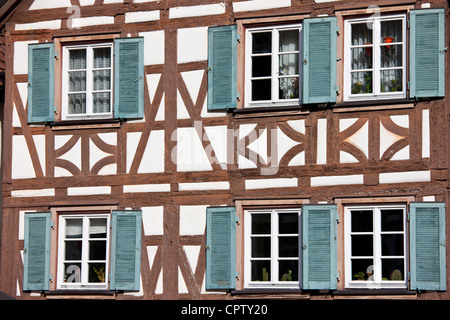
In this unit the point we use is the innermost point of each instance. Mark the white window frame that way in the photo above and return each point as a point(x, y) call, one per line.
point(274, 283)
point(377, 282)
point(83, 284)
point(89, 83)
point(275, 102)
point(376, 68)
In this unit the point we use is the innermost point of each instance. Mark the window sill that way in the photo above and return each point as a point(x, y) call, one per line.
point(368, 105)
point(80, 294)
point(271, 293)
point(85, 124)
point(273, 111)
point(374, 294)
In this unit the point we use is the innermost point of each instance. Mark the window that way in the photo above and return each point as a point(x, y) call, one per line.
point(375, 58)
point(272, 248)
point(83, 251)
point(272, 65)
point(87, 81)
point(375, 246)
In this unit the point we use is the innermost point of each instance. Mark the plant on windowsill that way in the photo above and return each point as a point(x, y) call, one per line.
point(359, 276)
point(287, 276)
point(100, 272)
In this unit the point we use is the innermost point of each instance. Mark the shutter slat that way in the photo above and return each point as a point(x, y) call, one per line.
point(319, 247)
point(319, 60)
point(222, 66)
point(41, 86)
point(125, 250)
point(221, 248)
point(427, 246)
point(36, 275)
point(427, 42)
point(129, 78)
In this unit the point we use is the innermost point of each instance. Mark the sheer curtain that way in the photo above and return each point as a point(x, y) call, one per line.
point(391, 56)
point(102, 80)
point(77, 81)
point(288, 64)
point(362, 58)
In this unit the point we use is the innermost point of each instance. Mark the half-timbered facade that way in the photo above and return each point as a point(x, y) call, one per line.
point(226, 149)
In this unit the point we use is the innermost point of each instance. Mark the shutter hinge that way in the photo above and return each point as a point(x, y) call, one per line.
point(443, 51)
point(238, 96)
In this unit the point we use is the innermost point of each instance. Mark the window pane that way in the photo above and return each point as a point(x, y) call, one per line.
point(288, 64)
point(392, 220)
point(102, 80)
point(97, 250)
point(77, 81)
point(261, 66)
point(261, 90)
point(261, 247)
point(362, 33)
point(361, 82)
point(261, 224)
point(362, 245)
point(362, 269)
point(391, 56)
point(289, 40)
point(77, 59)
point(362, 221)
point(260, 270)
point(74, 228)
point(72, 272)
point(72, 250)
point(97, 228)
point(77, 103)
point(392, 244)
point(288, 246)
point(288, 223)
point(288, 88)
point(102, 57)
point(391, 80)
point(97, 272)
point(392, 269)
point(361, 58)
point(102, 102)
point(262, 42)
point(391, 31)
point(288, 270)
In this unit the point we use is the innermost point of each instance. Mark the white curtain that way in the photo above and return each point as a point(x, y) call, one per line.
point(288, 64)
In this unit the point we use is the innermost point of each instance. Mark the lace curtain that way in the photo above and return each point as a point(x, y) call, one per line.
point(288, 64)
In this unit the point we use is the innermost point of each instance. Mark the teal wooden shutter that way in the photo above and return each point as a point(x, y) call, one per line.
point(41, 82)
point(36, 254)
point(319, 60)
point(222, 68)
point(129, 78)
point(427, 246)
point(125, 250)
point(427, 53)
point(221, 248)
point(319, 227)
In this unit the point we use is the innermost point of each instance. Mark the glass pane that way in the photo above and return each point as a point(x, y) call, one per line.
point(392, 244)
point(77, 59)
point(362, 33)
point(97, 272)
point(288, 88)
point(261, 247)
point(391, 80)
point(362, 221)
point(288, 223)
point(102, 102)
point(102, 58)
point(260, 270)
point(261, 223)
point(391, 56)
point(102, 80)
point(77, 103)
point(361, 58)
point(362, 245)
point(288, 270)
point(72, 272)
point(391, 31)
point(97, 228)
point(289, 40)
point(97, 250)
point(392, 220)
point(362, 269)
point(74, 228)
point(261, 66)
point(261, 90)
point(77, 81)
point(262, 42)
point(288, 246)
point(73, 250)
point(361, 82)
point(288, 64)
point(392, 269)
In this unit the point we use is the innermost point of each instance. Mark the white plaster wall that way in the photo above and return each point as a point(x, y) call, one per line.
point(153, 47)
point(73, 155)
point(271, 183)
point(197, 11)
point(52, 24)
point(321, 141)
point(95, 154)
point(152, 219)
point(192, 44)
point(20, 65)
point(190, 155)
point(49, 4)
point(252, 5)
point(22, 166)
point(141, 16)
point(192, 220)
